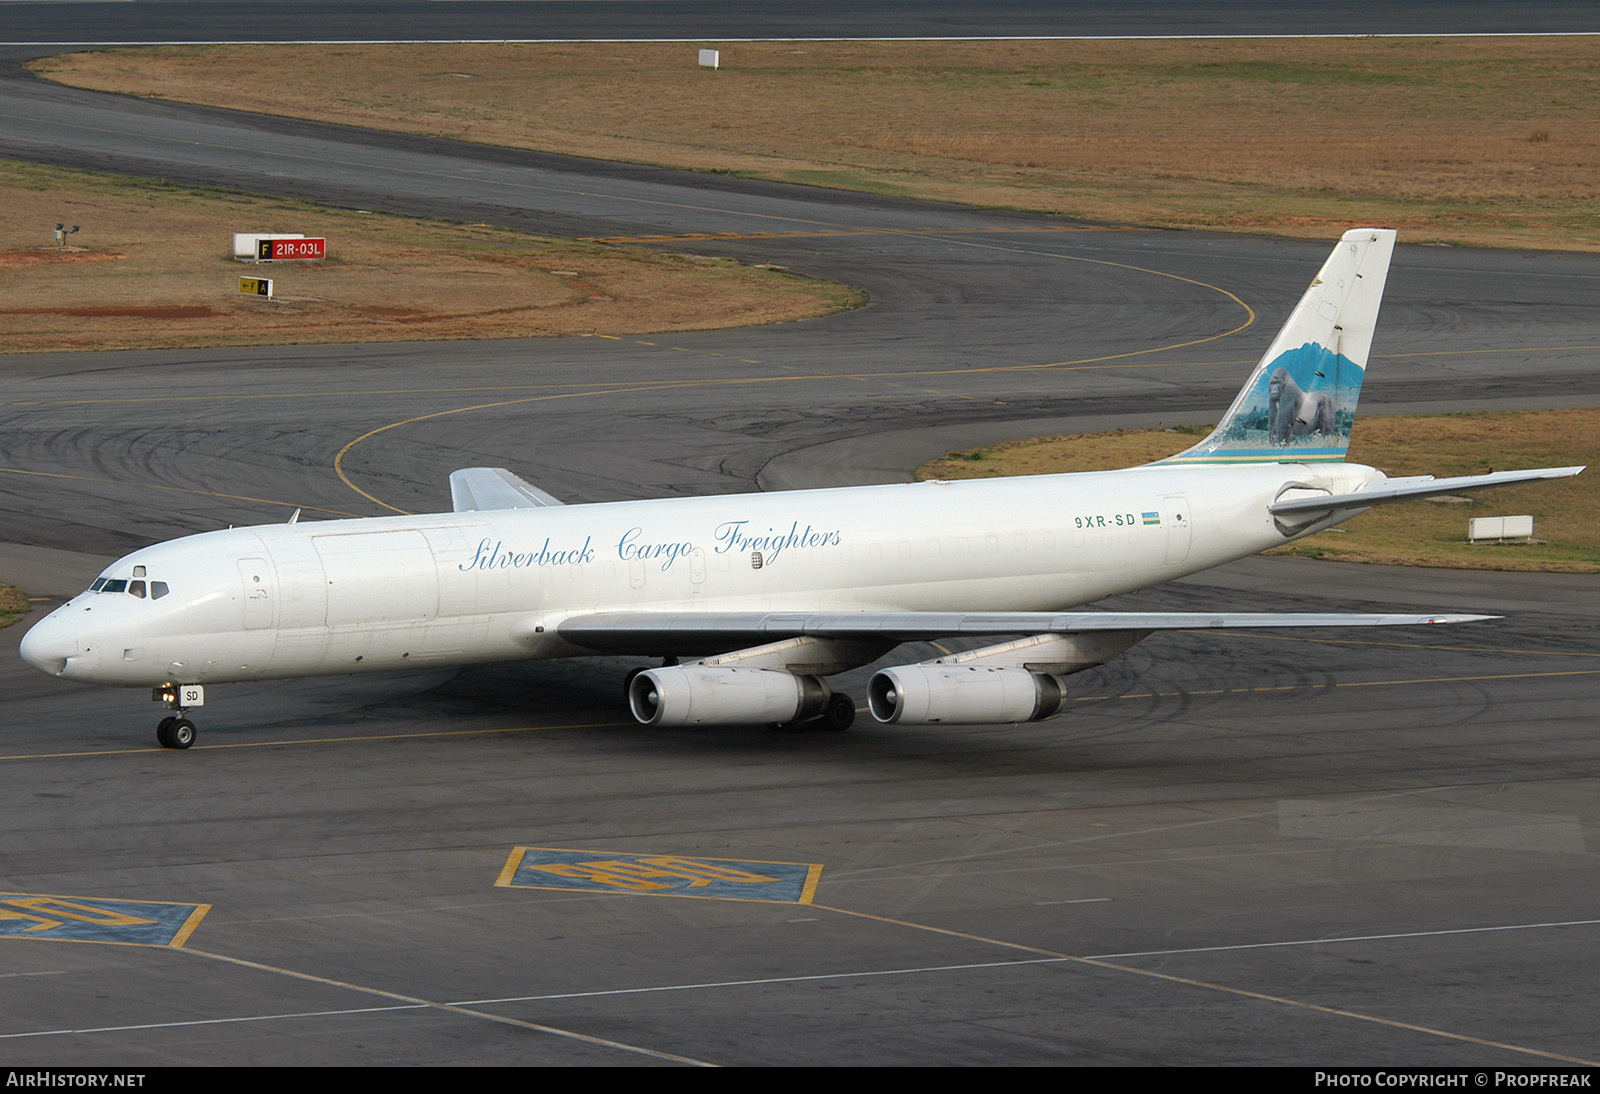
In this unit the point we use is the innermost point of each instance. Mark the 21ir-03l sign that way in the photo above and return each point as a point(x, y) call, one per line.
point(282, 250)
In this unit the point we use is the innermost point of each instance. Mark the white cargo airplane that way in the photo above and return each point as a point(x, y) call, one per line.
point(752, 599)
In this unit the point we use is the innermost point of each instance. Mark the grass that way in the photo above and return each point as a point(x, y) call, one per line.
point(13, 605)
point(1566, 512)
point(152, 268)
point(1437, 137)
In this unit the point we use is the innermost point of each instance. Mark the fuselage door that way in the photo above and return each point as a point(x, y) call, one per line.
point(255, 576)
point(697, 571)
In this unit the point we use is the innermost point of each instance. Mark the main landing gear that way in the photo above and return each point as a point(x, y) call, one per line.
point(175, 730)
point(838, 716)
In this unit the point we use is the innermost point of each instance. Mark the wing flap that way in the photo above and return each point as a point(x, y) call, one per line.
point(655, 632)
point(478, 488)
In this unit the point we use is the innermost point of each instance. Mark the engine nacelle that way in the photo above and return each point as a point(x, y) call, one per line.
point(962, 695)
point(715, 696)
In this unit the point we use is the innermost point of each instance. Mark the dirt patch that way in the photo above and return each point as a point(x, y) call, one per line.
point(13, 605)
point(154, 269)
point(51, 257)
point(1492, 140)
point(151, 311)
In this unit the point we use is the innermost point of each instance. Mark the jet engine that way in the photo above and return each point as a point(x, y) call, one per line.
point(962, 695)
point(713, 696)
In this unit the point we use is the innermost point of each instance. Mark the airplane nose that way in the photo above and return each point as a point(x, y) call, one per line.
point(49, 643)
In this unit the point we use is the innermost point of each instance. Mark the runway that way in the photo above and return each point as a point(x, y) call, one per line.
point(107, 21)
point(1230, 849)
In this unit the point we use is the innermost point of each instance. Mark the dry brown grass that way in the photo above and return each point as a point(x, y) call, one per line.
point(13, 605)
point(1297, 137)
point(152, 268)
point(1566, 512)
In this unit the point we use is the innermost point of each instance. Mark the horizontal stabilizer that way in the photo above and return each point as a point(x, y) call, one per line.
point(656, 632)
point(474, 489)
point(1420, 486)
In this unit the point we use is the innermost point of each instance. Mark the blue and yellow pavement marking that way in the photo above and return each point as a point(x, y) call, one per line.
point(660, 875)
point(95, 919)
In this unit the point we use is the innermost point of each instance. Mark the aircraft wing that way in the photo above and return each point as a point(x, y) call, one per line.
point(478, 488)
point(656, 632)
point(1419, 486)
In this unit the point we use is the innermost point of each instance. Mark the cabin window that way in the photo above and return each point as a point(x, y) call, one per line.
point(117, 586)
point(138, 571)
point(98, 585)
point(158, 589)
point(136, 588)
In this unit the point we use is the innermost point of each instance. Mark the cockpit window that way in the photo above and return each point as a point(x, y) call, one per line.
point(136, 587)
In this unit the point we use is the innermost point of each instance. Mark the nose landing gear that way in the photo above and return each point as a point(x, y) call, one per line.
point(175, 733)
point(176, 730)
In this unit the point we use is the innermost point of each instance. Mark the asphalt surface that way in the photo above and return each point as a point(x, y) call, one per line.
point(1336, 850)
point(95, 21)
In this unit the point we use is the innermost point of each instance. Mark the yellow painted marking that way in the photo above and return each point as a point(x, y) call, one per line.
point(61, 909)
point(1207, 985)
point(338, 459)
point(638, 876)
point(808, 892)
point(175, 490)
point(40, 923)
point(1100, 362)
point(317, 741)
point(509, 870)
point(628, 872)
point(179, 939)
point(47, 912)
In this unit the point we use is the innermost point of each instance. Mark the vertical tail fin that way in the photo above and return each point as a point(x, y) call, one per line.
point(1300, 401)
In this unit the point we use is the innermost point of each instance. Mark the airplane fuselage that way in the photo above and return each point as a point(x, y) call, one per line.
point(345, 596)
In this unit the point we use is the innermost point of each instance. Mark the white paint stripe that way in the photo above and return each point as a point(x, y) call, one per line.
point(210, 1022)
point(813, 978)
point(1349, 938)
point(1034, 961)
point(1080, 900)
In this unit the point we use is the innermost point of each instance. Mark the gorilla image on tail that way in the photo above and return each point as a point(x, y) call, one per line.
point(1293, 413)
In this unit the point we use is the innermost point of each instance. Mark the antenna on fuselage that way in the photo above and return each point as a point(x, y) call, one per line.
point(294, 517)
